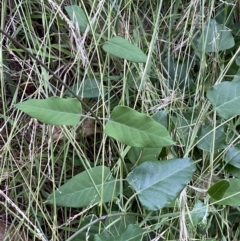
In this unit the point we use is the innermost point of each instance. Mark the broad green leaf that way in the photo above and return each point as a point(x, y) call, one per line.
point(179, 74)
point(136, 129)
point(232, 194)
point(215, 38)
point(233, 170)
point(134, 80)
point(208, 142)
point(162, 118)
point(83, 190)
point(115, 226)
point(236, 77)
point(237, 60)
point(199, 213)
point(122, 48)
point(218, 189)
point(89, 88)
point(225, 98)
point(158, 183)
point(77, 15)
point(236, 29)
point(53, 110)
point(139, 155)
point(232, 156)
point(132, 233)
point(224, 15)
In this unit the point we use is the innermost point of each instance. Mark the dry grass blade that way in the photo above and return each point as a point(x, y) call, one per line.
point(10, 233)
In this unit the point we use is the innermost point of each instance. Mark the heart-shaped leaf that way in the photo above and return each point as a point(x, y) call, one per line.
point(88, 187)
point(121, 48)
point(218, 189)
point(53, 110)
point(158, 183)
point(225, 98)
point(215, 38)
point(136, 129)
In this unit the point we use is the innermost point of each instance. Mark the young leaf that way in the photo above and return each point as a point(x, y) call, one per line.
point(232, 195)
point(218, 189)
point(77, 15)
point(215, 38)
point(88, 187)
point(53, 110)
point(232, 156)
point(158, 183)
point(132, 233)
point(225, 98)
point(121, 48)
point(136, 129)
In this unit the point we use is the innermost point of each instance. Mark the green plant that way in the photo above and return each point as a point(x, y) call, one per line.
point(159, 91)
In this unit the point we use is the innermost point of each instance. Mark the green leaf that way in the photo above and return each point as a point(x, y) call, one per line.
point(158, 183)
point(215, 38)
point(237, 60)
point(206, 137)
point(183, 125)
point(77, 15)
point(199, 213)
point(232, 170)
point(179, 74)
point(121, 48)
point(115, 226)
point(224, 15)
point(88, 187)
point(89, 88)
point(218, 189)
point(236, 77)
point(225, 98)
point(136, 129)
point(236, 29)
point(232, 156)
point(139, 155)
point(53, 110)
point(232, 194)
point(132, 233)
point(90, 231)
point(162, 118)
